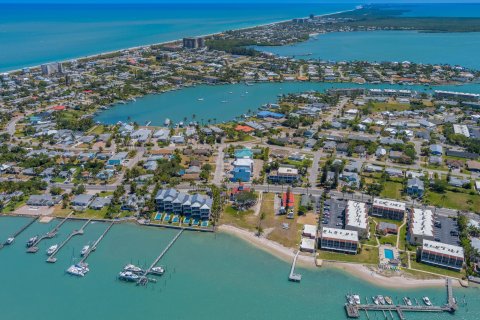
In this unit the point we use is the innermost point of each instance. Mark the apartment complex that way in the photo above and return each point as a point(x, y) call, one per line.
point(284, 174)
point(339, 240)
point(173, 201)
point(442, 254)
point(356, 218)
point(388, 209)
point(420, 226)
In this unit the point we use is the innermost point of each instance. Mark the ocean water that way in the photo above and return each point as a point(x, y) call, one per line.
point(461, 10)
point(176, 105)
point(377, 46)
point(210, 276)
point(31, 34)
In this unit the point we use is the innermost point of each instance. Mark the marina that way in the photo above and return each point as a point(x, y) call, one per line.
point(52, 258)
point(11, 239)
point(33, 247)
point(353, 309)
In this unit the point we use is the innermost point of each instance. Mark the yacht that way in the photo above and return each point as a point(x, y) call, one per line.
point(132, 268)
point(157, 271)
point(375, 300)
point(381, 299)
point(74, 271)
point(356, 299)
point(407, 301)
point(31, 241)
point(52, 249)
point(167, 122)
point(10, 240)
point(388, 300)
point(350, 299)
point(200, 99)
point(128, 276)
point(84, 250)
point(427, 301)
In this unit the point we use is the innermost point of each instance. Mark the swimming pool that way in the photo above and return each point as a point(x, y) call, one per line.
point(388, 254)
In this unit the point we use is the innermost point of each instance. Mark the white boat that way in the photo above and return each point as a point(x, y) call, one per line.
point(84, 250)
point(157, 271)
point(128, 276)
point(388, 300)
point(407, 301)
point(132, 268)
point(167, 122)
point(10, 240)
point(356, 299)
point(74, 271)
point(381, 299)
point(32, 241)
point(350, 299)
point(375, 300)
point(52, 249)
point(200, 99)
point(427, 301)
point(224, 101)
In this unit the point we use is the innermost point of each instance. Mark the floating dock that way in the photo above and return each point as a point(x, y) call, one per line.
point(295, 277)
point(52, 258)
point(16, 234)
point(49, 235)
point(353, 310)
point(143, 280)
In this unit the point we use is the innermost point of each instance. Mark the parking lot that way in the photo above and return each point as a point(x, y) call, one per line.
point(333, 214)
point(446, 230)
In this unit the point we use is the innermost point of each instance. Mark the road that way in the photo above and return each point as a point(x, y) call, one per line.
point(219, 166)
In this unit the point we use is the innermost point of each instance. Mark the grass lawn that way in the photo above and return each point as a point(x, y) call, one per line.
point(392, 190)
point(455, 200)
point(403, 237)
point(241, 219)
point(428, 268)
point(386, 106)
point(368, 255)
point(390, 239)
point(92, 214)
point(372, 241)
point(12, 206)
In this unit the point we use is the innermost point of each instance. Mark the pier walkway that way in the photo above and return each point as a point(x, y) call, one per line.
point(353, 310)
point(52, 258)
point(95, 244)
point(143, 280)
point(16, 234)
point(295, 277)
point(49, 235)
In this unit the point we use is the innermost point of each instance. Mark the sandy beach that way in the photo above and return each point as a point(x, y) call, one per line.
point(357, 270)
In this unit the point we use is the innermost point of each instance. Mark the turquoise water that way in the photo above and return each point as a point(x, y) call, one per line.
point(388, 254)
point(176, 105)
point(31, 34)
point(378, 46)
point(209, 277)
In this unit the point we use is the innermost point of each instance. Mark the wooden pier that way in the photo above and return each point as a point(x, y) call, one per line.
point(16, 234)
point(52, 258)
point(353, 310)
point(143, 280)
point(49, 235)
point(95, 244)
point(295, 277)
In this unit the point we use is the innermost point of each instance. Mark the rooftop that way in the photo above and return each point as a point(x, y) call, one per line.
point(390, 204)
point(443, 248)
point(339, 234)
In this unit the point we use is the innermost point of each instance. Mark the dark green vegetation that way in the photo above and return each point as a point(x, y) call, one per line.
point(384, 17)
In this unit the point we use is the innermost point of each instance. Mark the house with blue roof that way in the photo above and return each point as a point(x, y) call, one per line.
point(415, 187)
point(436, 149)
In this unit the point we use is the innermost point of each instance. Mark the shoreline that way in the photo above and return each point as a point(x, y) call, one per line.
point(144, 46)
point(359, 271)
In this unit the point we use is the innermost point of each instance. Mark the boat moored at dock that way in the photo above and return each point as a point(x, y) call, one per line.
point(31, 241)
point(52, 249)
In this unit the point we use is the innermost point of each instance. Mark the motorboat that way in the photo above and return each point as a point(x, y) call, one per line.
point(167, 122)
point(381, 299)
point(427, 301)
point(350, 299)
point(375, 300)
point(31, 241)
point(388, 300)
point(407, 301)
point(157, 271)
point(10, 241)
point(356, 299)
point(200, 99)
point(132, 268)
point(84, 250)
point(52, 249)
point(128, 276)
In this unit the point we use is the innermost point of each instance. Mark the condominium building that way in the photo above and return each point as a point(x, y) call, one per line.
point(176, 202)
point(193, 43)
point(339, 240)
point(284, 174)
point(388, 209)
point(442, 255)
point(356, 218)
point(420, 226)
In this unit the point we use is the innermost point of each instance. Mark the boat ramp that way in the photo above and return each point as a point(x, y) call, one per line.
point(353, 310)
